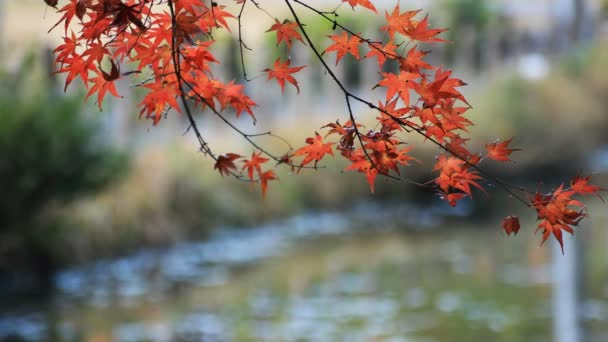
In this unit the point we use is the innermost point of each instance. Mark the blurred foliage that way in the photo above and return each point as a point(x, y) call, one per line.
point(172, 194)
point(49, 156)
point(558, 121)
point(463, 15)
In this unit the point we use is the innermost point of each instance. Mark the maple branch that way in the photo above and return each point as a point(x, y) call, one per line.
point(335, 23)
point(212, 5)
point(193, 125)
point(175, 56)
point(256, 4)
point(404, 124)
point(246, 136)
point(349, 94)
point(241, 42)
point(369, 158)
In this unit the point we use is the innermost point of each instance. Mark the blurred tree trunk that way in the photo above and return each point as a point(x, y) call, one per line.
point(578, 20)
point(1, 26)
point(567, 295)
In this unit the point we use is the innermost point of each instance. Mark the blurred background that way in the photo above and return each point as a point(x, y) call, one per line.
point(112, 229)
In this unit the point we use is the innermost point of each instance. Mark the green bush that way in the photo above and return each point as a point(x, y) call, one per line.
point(49, 156)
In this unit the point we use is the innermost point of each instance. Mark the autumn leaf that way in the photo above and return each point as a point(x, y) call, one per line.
point(362, 164)
point(422, 33)
point(315, 151)
point(344, 44)
point(286, 160)
point(580, 185)
point(214, 18)
point(286, 32)
point(282, 72)
point(225, 163)
point(234, 95)
point(413, 61)
point(453, 198)
point(73, 8)
point(556, 212)
point(382, 52)
point(398, 84)
point(347, 133)
point(511, 225)
point(452, 116)
point(500, 150)
point(67, 50)
point(102, 84)
point(52, 3)
point(363, 3)
point(171, 47)
point(114, 72)
point(455, 176)
point(254, 164)
point(264, 179)
point(441, 88)
point(159, 97)
point(397, 22)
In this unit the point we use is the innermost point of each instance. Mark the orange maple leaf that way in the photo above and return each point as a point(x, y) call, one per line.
point(500, 151)
point(556, 213)
point(413, 61)
point(363, 3)
point(264, 179)
point(396, 22)
point(382, 52)
point(361, 163)
point(254, 164)
point(581, 185)
point(286, 32)
point(422, 33)
point(344, 44)
point(398, 84)
point(455, 175)
point(282, 72)
point(315, 150)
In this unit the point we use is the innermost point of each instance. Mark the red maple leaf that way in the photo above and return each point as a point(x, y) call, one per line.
point(225, 163)
point(104, 83)
point(511, 225)
point(580, 185)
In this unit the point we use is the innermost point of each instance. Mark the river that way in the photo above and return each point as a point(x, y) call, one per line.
point(354, 276)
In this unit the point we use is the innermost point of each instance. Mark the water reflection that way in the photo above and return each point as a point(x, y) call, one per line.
point(310, 278)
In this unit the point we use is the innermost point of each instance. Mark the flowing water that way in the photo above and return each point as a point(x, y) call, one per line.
point(326, 277)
